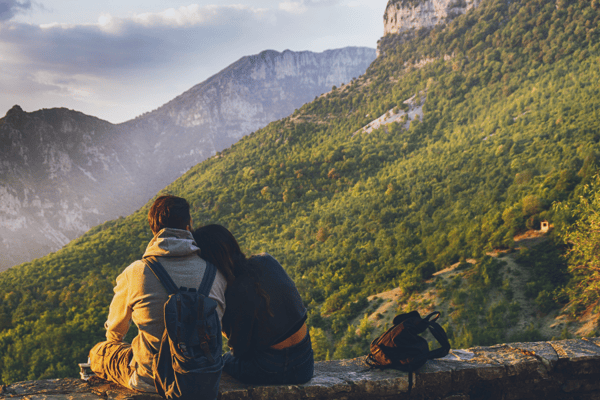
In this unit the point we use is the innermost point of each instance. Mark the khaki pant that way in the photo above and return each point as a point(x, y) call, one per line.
point(110, 361)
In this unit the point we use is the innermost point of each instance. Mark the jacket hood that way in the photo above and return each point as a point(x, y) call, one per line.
point(172, 243)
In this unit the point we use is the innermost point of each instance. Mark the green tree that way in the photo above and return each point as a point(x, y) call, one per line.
point(583, 239)
point(320, 344)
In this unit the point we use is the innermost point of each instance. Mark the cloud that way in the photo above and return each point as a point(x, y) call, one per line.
point(119, 67)
point(182, 17)
point(294, 7)
point(302, 6)
point(92, 67)
point(195, 15)
point(113, 44)
point(8, 8)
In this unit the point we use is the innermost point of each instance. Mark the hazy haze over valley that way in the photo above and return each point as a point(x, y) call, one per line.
point(63, 172)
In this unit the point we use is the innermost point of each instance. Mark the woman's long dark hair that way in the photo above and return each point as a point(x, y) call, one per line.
point(219, 247)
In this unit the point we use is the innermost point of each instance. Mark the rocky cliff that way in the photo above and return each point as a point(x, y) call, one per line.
point(403, 15)
point(62, 172)
point(241, 99)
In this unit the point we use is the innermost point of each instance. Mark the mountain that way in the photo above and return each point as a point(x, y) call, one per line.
point(62, 172)
point(417, 178)
point(242, 98)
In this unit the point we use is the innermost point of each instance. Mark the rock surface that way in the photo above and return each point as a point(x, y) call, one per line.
point(61, 172)
point(567, 369)
point(414, 111)
point(403, 15)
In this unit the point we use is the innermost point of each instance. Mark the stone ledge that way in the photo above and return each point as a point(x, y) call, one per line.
point(567, 369)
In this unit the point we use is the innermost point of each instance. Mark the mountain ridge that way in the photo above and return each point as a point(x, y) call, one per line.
point(249, 103)
point(101, 181)
point(61, 155)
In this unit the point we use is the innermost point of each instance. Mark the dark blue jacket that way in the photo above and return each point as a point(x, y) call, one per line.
point(246, 321)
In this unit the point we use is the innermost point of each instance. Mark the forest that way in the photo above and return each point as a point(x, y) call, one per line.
point(509, 137)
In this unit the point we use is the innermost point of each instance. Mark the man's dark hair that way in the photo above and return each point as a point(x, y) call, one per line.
point(169, 212)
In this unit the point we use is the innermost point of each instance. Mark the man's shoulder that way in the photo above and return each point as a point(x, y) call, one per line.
point(137, 264)
point(134, 268)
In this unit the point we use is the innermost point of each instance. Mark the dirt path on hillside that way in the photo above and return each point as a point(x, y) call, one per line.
point(385, 306)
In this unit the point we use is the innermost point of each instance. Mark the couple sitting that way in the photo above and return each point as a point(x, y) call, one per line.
point(260, 308)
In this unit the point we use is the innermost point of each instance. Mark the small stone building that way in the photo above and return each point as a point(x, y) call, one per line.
point(545, 226)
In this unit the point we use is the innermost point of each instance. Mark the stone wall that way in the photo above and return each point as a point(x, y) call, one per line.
point(567, 369)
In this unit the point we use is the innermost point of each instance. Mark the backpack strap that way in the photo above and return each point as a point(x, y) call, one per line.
point(371, 362)
point(433, 316)
point(403, 317)
point(161, 274)
point(210, 272)
point(440, 335)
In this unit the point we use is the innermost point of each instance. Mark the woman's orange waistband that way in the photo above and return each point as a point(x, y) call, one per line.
point(292, 340)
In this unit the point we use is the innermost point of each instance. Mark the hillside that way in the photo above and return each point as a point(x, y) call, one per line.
point(508, 124)
point(506, 308)
point(63, 172)
point(242, 98)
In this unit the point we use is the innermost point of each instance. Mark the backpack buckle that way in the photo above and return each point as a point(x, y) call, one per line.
point(183, 348)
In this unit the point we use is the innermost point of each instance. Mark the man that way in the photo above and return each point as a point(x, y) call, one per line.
point(140, 297)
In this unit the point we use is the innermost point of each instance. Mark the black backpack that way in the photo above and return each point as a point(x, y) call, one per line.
point(189, 361)
point(401, 347)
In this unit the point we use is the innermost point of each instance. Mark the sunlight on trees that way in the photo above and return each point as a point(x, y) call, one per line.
point(583, 239)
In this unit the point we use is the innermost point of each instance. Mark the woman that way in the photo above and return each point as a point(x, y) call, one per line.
point(265, 319)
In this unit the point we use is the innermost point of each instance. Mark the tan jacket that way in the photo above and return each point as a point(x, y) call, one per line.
point(140, 297)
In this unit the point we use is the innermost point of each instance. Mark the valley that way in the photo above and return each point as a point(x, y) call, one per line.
point(436, 212)
point(63, 172)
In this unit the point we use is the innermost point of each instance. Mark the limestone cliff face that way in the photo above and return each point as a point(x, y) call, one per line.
point(244, 97)
point(403, 15)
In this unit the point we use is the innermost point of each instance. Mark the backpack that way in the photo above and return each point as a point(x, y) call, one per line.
point(189, 362)
point(401, 347)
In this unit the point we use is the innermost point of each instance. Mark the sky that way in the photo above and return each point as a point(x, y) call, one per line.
point(117, 59)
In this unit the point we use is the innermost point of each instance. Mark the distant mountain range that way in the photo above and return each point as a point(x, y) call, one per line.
point(63, 172)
